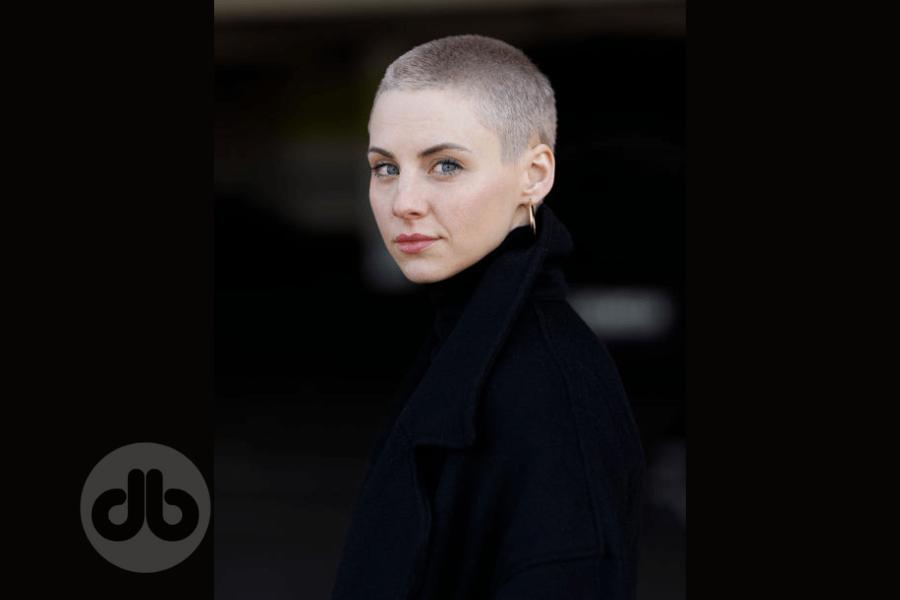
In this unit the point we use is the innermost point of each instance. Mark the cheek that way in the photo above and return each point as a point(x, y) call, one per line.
point(378, 211)
point(488, 203)
point(376, 202)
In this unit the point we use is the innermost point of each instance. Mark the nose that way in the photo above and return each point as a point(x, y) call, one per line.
point(409, 200)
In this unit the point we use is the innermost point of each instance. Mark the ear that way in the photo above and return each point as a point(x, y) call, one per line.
point(540, 169)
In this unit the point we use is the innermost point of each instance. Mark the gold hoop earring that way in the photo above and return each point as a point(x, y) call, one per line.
point(531, 218)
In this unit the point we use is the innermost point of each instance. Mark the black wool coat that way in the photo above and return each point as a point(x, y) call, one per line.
point(510, 466)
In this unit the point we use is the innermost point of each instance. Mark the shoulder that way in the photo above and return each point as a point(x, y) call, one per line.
point(550, 343)
point(554, 379)
point(569, 337)
point(549, 361)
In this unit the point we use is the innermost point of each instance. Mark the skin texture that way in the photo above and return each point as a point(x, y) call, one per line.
point(465, 196)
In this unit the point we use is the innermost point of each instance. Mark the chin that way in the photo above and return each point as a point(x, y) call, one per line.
point(420, 272)
point(418, 275)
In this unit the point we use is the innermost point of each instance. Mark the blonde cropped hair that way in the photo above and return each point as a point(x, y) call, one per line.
point(513, 97)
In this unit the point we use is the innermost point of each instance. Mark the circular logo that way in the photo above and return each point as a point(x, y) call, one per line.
point(145, 507)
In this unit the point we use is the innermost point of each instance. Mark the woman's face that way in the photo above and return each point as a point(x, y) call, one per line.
point(441, 195)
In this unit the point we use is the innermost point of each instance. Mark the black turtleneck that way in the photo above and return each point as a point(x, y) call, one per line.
point(450, 296)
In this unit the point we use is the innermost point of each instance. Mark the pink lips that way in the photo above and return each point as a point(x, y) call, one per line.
point(414, 243)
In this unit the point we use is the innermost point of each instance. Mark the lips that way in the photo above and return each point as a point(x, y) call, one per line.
point(414, 243)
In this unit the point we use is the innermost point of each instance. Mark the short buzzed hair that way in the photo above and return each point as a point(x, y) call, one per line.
point(513, 97)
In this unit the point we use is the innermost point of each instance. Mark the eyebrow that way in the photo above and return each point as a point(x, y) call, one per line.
point(423, 153)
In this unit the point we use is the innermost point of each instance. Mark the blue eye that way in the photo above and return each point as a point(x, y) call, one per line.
point(448, 166)
point(384, 169)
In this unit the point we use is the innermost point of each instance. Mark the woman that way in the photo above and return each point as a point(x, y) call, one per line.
point(510, 466)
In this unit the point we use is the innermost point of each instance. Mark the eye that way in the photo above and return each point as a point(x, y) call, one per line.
point(447, 166)
point(384, 169)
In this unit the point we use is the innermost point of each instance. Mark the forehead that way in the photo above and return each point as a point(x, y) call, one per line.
point(411, 120)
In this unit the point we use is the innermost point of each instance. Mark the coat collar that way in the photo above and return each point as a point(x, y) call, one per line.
point(441, 411)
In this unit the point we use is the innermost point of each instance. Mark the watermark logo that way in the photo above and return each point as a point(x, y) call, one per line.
point(145, 507)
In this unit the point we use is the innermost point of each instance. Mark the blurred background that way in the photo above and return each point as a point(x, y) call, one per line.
point(315, 325)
